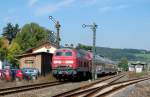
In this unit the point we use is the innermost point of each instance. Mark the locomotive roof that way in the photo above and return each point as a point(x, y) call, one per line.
point(66, 49)
point(98, 58)
point(103, 60)
point(79, 50)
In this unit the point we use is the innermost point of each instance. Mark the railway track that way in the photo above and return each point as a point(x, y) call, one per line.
point(101, 91)
point(113, 87)
point(18, 89)
point(90, 87)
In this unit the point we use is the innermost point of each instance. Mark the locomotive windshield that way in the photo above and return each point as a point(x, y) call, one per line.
point(59, 53)
point(63, 53)
point(68, 54)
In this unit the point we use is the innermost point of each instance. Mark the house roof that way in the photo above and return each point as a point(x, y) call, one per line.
point(39, 46)
point(138, 63)
point(31, 54)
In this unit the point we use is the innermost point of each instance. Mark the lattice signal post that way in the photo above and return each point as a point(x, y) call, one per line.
point(57, 26)
point(93, 27)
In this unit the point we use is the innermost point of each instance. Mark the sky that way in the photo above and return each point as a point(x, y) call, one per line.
point(121, 23)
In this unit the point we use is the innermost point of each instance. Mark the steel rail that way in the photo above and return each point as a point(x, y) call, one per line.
point(73, 91)
point(83, 92)
point(132, 81)
point(18, 89)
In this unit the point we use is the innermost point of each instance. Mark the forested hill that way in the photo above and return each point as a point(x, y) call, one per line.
point(117, 54)
point(130, 54)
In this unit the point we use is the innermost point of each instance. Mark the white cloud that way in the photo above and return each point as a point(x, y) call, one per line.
point(105, 9)
point(10, 19)
point(11, 15)
point(90, 2)
point(11, 11)
point(112, 8)
point(49, 8)
point(32, 2)
point(122, 6)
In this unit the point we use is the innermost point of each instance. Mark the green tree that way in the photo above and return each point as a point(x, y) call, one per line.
point(81, 46)
point(3, 53)
point(123, 63)
point(3, 50)
point(1, 42)
point(31, 35)
point(10, 31)
point(13, 50)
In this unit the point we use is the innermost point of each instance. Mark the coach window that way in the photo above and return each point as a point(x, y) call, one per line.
point(81, 64)
point(68, 53)
point(84, 64)
point(78, 62)
point(87, 63)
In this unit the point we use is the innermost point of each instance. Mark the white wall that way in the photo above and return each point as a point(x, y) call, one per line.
point(1, 64)
point(131, 68)
point(51, 50)
point(138, 68)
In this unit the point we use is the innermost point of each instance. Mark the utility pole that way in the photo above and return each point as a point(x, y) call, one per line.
point(93, 27)
point(57, 26)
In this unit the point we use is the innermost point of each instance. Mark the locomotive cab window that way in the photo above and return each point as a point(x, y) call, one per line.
point(68, 53)
point(59, 53)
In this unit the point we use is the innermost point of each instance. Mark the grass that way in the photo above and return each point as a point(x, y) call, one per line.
point(137, 75)
point(48, 77)
point(141, 90)
point(141, 74)
point(145, 56)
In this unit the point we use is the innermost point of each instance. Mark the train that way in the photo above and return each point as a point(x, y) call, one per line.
point(105, 66)
point(69, 63)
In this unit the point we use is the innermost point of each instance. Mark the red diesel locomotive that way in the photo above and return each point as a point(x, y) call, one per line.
point(71, 64)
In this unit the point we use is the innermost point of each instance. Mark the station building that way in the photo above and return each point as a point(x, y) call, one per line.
point(137, 66)
point(39, 57)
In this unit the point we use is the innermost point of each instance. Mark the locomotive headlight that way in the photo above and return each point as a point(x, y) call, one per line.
point(57, 61)
point(69, 62)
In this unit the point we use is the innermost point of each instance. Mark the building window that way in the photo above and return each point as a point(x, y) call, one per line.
point(29, 61)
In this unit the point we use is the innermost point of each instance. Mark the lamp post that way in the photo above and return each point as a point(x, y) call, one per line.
point(93, 27)
point(57, 26)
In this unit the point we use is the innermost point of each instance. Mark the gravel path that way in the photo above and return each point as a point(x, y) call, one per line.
point(50, 91)
point(141, 89)
point(5, 84)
